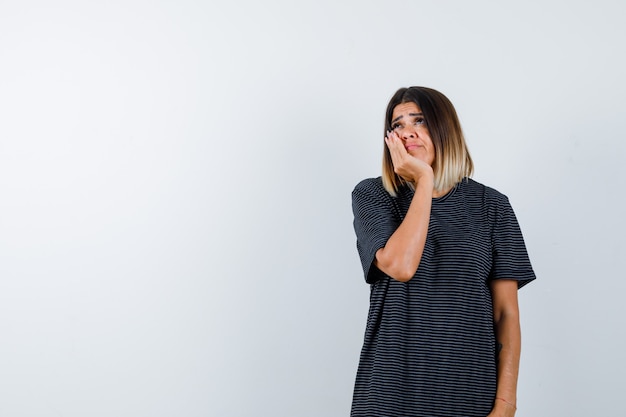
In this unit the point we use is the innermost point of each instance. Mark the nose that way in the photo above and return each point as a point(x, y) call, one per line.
point(407, 133)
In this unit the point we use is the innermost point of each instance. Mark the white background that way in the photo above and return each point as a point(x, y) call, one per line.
point(175, 222)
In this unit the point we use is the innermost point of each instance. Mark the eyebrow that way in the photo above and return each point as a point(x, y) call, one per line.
point(410, 114)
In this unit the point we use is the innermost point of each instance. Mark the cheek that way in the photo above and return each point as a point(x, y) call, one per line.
point(431, 154)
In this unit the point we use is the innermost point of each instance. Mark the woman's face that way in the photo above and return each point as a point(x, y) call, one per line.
point(408, 122)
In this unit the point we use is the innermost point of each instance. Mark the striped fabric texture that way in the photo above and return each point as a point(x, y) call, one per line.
point(429, 348)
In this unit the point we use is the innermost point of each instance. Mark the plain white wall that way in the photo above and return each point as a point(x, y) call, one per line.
point(175, 224)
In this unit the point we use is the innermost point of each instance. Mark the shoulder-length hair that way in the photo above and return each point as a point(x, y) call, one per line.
point(452, 159)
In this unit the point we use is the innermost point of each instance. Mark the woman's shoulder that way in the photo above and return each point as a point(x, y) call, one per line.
point(476, 188)
point(372, 191)
point(370, 185)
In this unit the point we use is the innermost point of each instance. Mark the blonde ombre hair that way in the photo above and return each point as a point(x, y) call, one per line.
point(452, 159)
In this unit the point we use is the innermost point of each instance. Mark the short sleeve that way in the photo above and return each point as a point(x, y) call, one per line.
point(510, 258)
point(374, 222)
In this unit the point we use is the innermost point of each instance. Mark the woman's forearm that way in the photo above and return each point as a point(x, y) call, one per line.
point(508, 334)
point(403, 252)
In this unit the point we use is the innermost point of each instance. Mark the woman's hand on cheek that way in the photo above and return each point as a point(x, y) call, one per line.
point(405, 165)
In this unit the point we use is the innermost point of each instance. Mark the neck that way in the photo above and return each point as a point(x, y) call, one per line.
point(437, 194)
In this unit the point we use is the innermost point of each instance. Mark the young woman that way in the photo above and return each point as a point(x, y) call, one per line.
point(444, 256)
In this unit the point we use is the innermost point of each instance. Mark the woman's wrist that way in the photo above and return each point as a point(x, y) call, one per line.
point(507, 402)
point(425, 179)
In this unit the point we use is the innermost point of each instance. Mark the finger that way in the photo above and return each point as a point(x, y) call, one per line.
point(389, 140)
point(399, 141)
point(397, 158)
point(398, 145)
point(393, 138)
point(392, 143)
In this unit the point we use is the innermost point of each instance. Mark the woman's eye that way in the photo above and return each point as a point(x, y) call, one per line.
point(394, 127)
point(419, 121)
